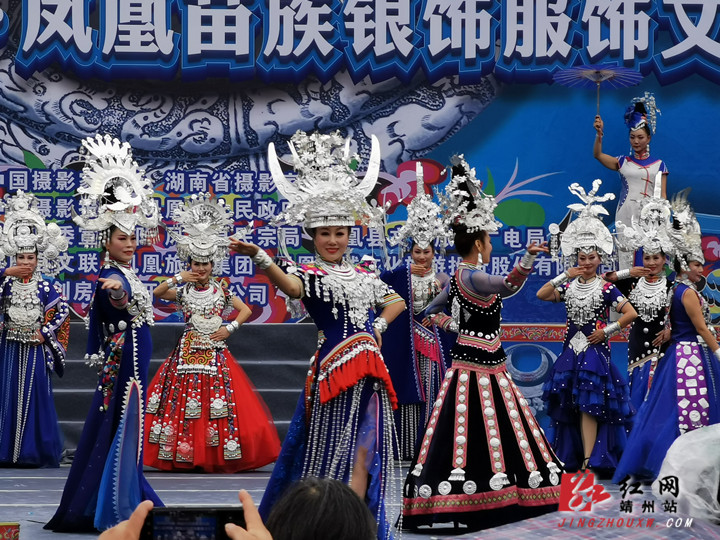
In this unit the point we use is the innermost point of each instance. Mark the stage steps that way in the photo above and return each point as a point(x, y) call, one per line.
point(274, 356)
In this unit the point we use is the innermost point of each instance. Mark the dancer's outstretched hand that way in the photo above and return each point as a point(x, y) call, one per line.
point(536, 248)
point(243, 248)
point(255, 528)
point(110, 283)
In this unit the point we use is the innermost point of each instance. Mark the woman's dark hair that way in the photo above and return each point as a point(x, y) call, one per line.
point(321, 509)
point(464, 240)
point(640, 108)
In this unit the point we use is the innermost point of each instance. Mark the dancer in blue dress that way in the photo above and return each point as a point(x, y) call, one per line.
point(684, 392)
point(343, 425)
point(106, 481)
point(34, 338)
point(587, 397)
point(416, 352)
point(483, 460)
point(648, 290)
point(639, 172)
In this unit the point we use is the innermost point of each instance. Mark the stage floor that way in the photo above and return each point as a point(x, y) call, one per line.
point(30, 496)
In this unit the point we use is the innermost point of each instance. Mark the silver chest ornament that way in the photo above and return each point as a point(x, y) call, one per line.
point(649, 298)
point(204, 307)
point(424, 290)
point(24, 311)
point(357, 292)
point(582, 300)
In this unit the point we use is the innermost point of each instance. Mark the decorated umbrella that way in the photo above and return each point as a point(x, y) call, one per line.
point(594, 76)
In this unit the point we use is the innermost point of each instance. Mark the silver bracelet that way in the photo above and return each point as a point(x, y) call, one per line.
point(559, 280)
point(117, 294)
point(380, 324)
point(231, 327)
point(622, 274)
point(261, 259)
point(527, 260)
point(178, 278)
point(171, 283)
point(612, 329)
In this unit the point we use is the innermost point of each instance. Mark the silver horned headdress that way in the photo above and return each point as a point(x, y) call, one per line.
point(649, 231)
point(204, 225)
point(327, 191)
point(423, 226)
point(686, 233)
point(586, 232)
point(465, 203)
point(115, 191)
point(24, 231)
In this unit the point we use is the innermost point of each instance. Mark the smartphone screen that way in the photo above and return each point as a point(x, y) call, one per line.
point(190, 523)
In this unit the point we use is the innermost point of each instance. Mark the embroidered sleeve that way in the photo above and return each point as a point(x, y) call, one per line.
point(614, 297)
point(228, 292)
point(486, 284)
point(389, 299)
point(56, 324)
point(294, 306)
point(516, 279)
point(117, 300)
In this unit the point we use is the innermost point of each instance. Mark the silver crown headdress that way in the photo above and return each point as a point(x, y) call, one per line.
point(204, 225)
point(327, 191)
point(423, 225)
point(651, 229)
point(25, 231)
point(465, 203)
point(686, 233)
point(635, 119)
point(586, 232)
point(115, 191)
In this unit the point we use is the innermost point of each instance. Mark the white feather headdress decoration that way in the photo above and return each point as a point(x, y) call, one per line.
point(115, 191)
point(586, 232)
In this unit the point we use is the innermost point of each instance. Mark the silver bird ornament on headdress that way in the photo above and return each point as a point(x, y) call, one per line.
point(115, 192)
point(24, 231)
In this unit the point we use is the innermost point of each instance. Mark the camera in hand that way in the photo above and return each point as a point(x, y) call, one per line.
point(190, 523)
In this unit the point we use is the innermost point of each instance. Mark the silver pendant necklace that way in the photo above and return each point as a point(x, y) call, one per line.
point(424, 290)
point(24, 310)
point(649, 298)
point(582, 300)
